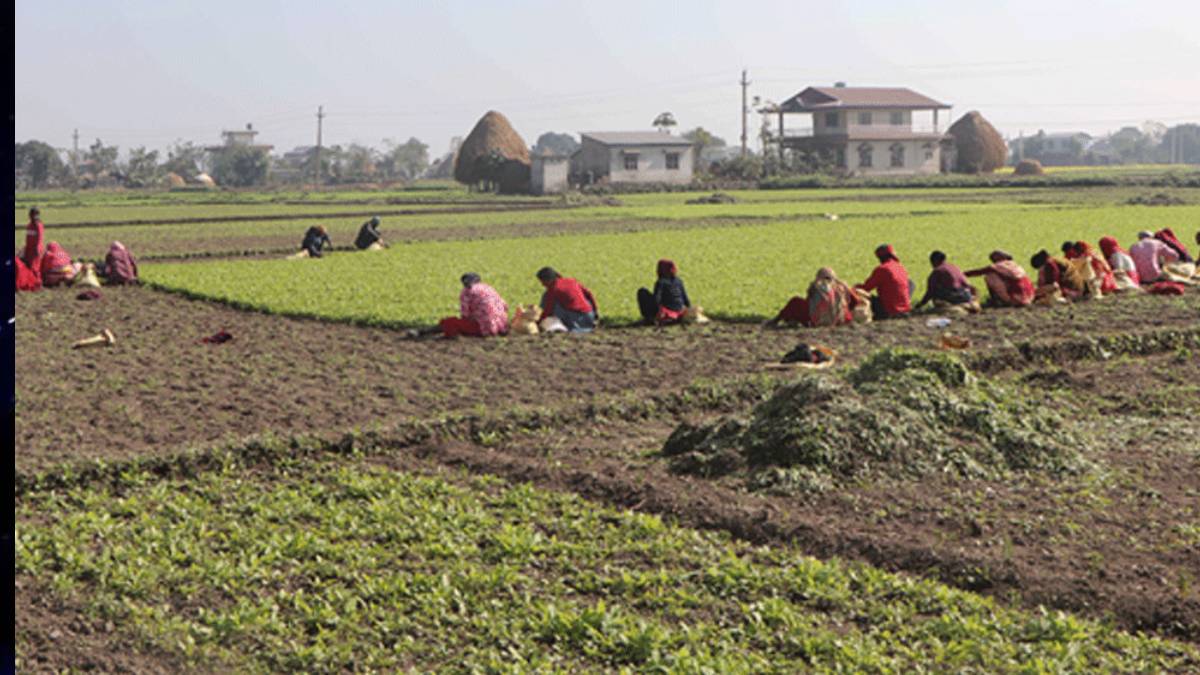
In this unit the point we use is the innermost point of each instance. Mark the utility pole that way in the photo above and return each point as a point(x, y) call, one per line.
point(75, 156)
point(320, 116)
point(745, 83)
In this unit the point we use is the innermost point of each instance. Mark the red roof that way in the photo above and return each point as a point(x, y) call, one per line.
point(815, 99)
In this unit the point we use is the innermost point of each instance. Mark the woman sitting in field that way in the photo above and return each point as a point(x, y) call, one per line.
point(1105, 279)
point(1008, 285)
point(669, 300)
point(891, 280)
point(1052, 283)
point(1184, 268)
point(1125, 276)
point(569, 301)
point(57, 267)
point(947, 286)
point(483, 312)
point(120, 266)
point(829, 302)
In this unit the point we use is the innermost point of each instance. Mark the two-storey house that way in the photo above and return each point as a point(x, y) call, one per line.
point(866, 130)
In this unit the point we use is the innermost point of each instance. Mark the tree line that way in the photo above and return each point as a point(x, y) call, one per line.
point(39, 165)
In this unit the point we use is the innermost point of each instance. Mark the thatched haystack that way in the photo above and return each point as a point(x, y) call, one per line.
point(979, 148)
point(173, 181)
point(494, 156)
point(205, 180)
point(1028, 167)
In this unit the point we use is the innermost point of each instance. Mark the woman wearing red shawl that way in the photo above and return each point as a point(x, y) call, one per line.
point(1007, 283)
point(829, 302)
point(1052, 283)
point(119, 265)
point(1125, 275)
point(1167, 236)
point(29, 263)
point(57, 267)
point(1100, 266)
point(891, 280)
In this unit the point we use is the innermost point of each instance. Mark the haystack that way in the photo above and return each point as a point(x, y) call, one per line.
point(205, 180)
point(173, 180)
point(1028, 167)
point(494, 155)
point(979, 147)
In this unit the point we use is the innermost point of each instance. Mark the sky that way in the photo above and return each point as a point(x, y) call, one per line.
point(136, 73)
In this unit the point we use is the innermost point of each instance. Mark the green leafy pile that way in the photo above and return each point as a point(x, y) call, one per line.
point(900, 413)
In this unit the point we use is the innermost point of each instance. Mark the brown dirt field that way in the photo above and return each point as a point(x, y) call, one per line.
point(1123, 545)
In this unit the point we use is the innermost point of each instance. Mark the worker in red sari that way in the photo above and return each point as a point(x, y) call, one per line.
point(1100, 266)
point(568, 300)
point(829, 302)
point(29, 263)
point(57, 267)
point(120, 267)
point(483, 312)
point(1052, 278)
point(1125, 274)
point(894, 289)
point(1008, 285)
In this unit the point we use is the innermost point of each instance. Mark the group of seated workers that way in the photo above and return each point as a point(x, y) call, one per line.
point(1158, 262)
point(316, 240)
point(44, 265)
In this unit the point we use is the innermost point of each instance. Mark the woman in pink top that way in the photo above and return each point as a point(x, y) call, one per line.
point(484, 312)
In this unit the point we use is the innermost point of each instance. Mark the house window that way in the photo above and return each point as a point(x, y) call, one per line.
point(864, 118)
point(672, 160)
point(928, 147)
point(631, 162)
point(897, 151)
point(897, 119)
point(831, 119)
point(864, 155)
point(840, 157)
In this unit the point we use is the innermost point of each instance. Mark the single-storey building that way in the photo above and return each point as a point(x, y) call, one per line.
point(632, 157)
point(865, 130)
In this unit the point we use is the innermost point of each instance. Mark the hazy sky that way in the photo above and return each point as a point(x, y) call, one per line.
point(146, 73)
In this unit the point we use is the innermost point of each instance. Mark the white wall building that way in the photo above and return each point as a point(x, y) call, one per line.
point(633, 157)
point(866, 130)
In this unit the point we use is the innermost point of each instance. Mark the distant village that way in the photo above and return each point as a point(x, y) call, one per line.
point(835, 130)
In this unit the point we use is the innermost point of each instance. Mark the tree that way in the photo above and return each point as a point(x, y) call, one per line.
point(185, 159)
point(1185, 139)
point(702, 139)
point(38, 165)
point(408, 160)
point(240, 166)
point(142, 169)
point(563, 145)
point(103, 158)
point(1130, 144)
point(664, 121)
point(358, 163)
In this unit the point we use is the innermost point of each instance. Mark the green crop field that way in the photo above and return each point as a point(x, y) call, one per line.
point(394, 571)
point(733, 269)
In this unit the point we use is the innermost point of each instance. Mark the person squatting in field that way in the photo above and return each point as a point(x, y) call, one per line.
point(120, 267)
point(568, 300)
point(669, 300)
point(369, 238)
point(1125, 274)
point(1053, 284)
point(57, 267)
point(895, 289)
point(1008, 284)
point(1149, 257)
point(947, 286)
point(829, 302)
point(316, 239)
point(482, 312)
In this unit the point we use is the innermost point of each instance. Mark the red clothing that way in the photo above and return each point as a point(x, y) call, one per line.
point(28, 279)
point(483, 305)
point(891, 280)
point(454, 326)
point(35, 247)
point(1050, 273)
point(795, 311)
point(570, 294)
point(119, 265)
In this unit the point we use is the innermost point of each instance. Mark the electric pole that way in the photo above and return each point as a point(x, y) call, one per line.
point(745, 83)
point(75, 156)
point(320, 116)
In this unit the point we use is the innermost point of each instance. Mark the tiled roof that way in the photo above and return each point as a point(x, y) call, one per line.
point(831, 98)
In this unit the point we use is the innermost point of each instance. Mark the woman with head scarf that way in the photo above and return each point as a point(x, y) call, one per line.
point(482, 311)
point(1125, 275)
point(1104, 281)
point(1052, 283)
point(667, 303)
point(1008, 285)
point(369, 238)
point(894, 288)
point(119, 265)
point(568, 300)
point(830, 300)
point(57, 267)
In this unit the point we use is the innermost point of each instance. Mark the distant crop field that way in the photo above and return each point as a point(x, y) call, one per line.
point(736, 271)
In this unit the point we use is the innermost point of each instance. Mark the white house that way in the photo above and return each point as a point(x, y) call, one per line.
point(866, 130)
point(633, 157)
point(548, 173)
